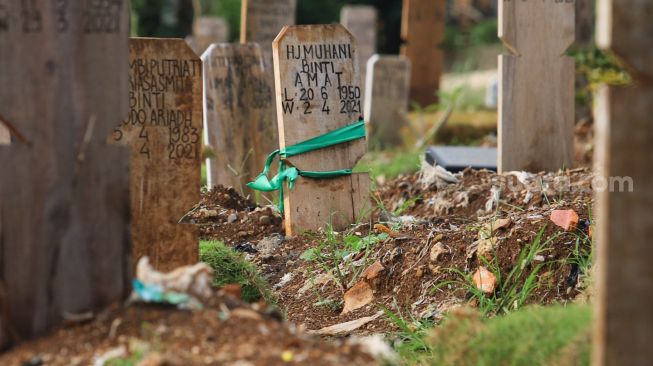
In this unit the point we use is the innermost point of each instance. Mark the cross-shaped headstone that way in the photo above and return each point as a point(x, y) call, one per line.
point(64, 206)
point(164, 131)
point(624, 149)
point(536, 85)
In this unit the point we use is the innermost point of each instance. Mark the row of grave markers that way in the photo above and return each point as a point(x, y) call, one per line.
point(65, 241)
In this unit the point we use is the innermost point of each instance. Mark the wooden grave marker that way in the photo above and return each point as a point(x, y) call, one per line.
point(624, 149)
point(164, 131)
point(387, 98)
point(64, 199)
point(422, 30)
point(262, 20)
point(5, 137)
point(318, 91)
point(360, 21)
point(536, 85)
point(206, 31)
point(239, 113)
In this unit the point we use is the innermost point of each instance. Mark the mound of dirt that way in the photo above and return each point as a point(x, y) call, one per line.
point(441, 234)
point(224, 215)
point(226, 333)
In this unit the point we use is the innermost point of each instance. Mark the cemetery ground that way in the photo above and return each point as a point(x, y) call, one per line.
point(409, 274)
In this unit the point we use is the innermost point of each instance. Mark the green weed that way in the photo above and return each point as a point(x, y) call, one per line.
point(334, 254)
point(230, 267)
point(514, 289)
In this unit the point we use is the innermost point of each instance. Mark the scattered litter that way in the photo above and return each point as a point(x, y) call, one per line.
point(110, 355)
point(184, 287)
point(246, 247)
point(347, 327)
point(435, 174)
point(376, 346)
point(284, 280)
point(493, 201)
point(524, 178)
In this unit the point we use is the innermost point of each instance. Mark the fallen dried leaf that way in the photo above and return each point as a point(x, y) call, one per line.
point(490, 228)
point(373, 271)
point(485, 246)
point(384, 229)
point(347, 327)
point(436, 251)
point(566, 219)
point(357, 297)
point(485, 280)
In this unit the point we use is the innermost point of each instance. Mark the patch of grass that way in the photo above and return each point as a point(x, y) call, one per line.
point(533, 336)
point(513, 289)
point(389, 164)
point(230, 267)
point(335, 254)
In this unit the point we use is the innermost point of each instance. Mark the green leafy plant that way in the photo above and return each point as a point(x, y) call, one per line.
point(230, 267)
point(334, 254)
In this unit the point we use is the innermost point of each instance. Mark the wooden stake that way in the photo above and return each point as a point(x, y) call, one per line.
point(422, 30)
point(360, 21)
point(386, 103)
point(536, 87)
point(318, 91)
point(207, 30)
point(262, 20)
point(239, 114)
point(164, 131)
point(64, 206)
point(624, 148)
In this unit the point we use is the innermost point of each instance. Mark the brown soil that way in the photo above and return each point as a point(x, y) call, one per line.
point(226, 333)
point(410, 284)
point(452, 215)
point(251, 223)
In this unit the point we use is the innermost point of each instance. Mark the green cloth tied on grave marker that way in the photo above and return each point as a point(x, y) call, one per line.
point(342, 135)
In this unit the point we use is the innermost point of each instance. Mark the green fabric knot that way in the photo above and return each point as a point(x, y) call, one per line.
point(342, 135)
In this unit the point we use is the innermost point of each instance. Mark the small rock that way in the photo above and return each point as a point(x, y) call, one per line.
point(268, 246)
point(484, 280)
point(419, 273)
point(566, 219)
point(265, 220)
point(373, 271)
point(232, 218)
point(436, 251)
point(241, 234)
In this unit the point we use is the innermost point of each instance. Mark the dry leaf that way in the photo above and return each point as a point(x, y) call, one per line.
point(373, 271)
point(485, 280)
point(566, 219)
point(384, 229)
point(436, 251)
point(347, 327)
point(357, 297)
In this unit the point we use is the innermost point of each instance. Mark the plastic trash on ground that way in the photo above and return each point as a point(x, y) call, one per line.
point(185, 287)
